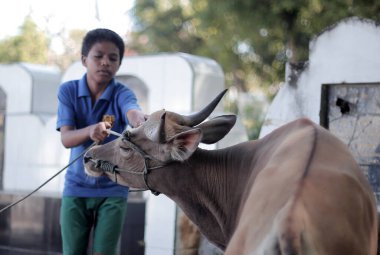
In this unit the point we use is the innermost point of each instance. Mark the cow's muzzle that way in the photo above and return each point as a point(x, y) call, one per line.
point(90, 165)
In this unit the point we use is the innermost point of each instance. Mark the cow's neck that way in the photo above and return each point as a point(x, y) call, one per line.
point(191, 185)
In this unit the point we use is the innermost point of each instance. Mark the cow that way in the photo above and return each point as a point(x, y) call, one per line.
point(298, 190)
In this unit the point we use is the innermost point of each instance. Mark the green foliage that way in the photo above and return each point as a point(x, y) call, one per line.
point(31, 45)
point(251, 107)
point(34, 46)
point(71, 48)
point(174, 26)
point(251, 39)
point(253, 118)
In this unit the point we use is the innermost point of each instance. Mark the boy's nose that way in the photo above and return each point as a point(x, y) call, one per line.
point(105, 62)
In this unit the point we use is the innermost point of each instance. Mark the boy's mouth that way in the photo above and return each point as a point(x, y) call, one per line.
point(104, 72)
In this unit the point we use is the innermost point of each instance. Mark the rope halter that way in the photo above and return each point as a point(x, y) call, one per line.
point(107, 166)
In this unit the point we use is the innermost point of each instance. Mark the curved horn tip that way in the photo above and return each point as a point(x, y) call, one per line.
point(197, 118)
point(221, 94)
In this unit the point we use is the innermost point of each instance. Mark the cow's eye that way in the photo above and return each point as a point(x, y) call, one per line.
point(125, 151)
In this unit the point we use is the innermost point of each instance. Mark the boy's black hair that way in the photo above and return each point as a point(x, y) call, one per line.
point(102, 35)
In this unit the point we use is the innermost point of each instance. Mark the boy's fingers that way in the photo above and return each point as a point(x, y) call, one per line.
point(108, 125)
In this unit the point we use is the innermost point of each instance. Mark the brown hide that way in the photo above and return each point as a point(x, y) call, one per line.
point(309, 197)
point(296, 191)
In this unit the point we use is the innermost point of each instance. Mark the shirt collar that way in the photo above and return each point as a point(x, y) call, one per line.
point(85, 92)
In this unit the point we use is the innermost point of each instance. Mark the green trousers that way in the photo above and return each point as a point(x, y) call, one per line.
point(105, 216)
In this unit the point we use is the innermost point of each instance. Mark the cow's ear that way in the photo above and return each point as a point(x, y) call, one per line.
point(183, 145)
point(215, 129)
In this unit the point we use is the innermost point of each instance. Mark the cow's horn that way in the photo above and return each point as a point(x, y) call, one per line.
point(196, 118)
point(161, 130)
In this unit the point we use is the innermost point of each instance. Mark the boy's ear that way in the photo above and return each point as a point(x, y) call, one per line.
point(83, 59)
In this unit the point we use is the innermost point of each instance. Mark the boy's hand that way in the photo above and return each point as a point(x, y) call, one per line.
point(98, 131)
point(136, 118)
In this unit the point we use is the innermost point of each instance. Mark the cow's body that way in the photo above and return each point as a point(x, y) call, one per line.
point(296, 191)
point(305, 195)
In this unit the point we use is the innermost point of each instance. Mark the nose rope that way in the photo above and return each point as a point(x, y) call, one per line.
point(114, 169)
point(106, 166)
point(111, 132)
point(48, 180)
point(56, 174)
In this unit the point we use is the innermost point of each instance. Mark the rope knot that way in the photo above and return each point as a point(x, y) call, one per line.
point(106, 166)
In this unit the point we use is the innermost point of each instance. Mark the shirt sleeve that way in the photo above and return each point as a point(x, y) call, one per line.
point(65, 113)
point(127, 100)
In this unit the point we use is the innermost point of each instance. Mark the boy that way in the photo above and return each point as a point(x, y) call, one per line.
point(90, 202)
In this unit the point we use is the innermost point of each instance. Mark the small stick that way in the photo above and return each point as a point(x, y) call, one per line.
point(111, 132)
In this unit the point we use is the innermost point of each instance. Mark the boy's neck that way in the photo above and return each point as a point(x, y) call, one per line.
point(96, 90)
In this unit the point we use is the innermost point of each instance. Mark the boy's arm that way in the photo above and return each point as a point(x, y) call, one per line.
point(71, 137)
point(135, 117)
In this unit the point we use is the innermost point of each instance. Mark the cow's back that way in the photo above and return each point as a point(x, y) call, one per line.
point(309, 197)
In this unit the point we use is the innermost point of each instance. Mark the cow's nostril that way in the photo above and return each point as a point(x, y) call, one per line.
point(86, 159)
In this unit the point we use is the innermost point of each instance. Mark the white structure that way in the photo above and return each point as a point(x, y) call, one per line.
point(177, 82)
point(348, 52)
point(32, 149)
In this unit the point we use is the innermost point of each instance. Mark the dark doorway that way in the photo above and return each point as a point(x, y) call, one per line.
point(352, 113)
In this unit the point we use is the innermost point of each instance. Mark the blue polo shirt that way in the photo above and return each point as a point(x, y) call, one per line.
point(75, 109)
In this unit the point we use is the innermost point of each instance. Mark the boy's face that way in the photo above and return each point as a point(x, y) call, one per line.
point(102, 62)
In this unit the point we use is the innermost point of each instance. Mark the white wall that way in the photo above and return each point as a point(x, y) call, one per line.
point(32, 151)
point(348, 52)
point(17, 84)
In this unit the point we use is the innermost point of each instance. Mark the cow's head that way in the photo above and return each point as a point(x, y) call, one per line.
point(165, 137)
